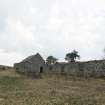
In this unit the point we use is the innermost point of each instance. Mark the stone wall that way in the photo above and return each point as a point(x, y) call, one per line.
point(93, 68)
point(34, 67)
point(86, 69)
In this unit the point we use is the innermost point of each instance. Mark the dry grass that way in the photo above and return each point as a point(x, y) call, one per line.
point(50, 90)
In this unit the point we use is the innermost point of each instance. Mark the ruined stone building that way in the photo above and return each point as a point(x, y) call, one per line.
point(32, 65)
point(35, 64)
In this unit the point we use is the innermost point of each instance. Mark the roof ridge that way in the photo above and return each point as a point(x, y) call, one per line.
point(30, 57)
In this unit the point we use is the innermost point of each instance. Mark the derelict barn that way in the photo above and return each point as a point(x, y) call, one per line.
point(35, 64)
point(32, 65)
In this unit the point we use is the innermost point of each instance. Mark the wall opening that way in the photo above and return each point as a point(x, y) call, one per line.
point(50, 68)
point(41, 69)
point(62, 69)
point(17, 68)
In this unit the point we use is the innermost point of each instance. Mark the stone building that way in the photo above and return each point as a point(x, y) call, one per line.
point(35, 64)
point(32, 65)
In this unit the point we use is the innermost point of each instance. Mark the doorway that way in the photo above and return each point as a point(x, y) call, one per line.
point(41, 69)
point(62, 69)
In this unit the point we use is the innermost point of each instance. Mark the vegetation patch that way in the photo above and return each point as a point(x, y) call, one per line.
point(9, 83)
point(53, 89)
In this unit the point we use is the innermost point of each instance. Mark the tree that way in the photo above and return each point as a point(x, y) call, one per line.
point(51, 60)
point(71, 57)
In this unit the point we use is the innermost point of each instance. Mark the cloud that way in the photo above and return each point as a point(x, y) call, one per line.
point(21, 32)
point(8, 58)
point(52, 28)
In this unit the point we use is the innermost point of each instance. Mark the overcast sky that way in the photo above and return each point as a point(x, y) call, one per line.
point(51, 27)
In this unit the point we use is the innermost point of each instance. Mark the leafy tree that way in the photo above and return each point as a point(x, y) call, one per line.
point(51, 60)
point(71, 57)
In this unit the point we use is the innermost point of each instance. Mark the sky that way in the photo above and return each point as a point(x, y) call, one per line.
point(51, 27)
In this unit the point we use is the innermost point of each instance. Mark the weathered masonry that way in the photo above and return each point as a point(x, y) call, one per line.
point(86, 69)
point(35, 64)
point(32, 65)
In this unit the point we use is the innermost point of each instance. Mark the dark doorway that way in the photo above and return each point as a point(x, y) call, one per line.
point(17, 68)
point(41, 69)
point(62, 69)
point(50, 67)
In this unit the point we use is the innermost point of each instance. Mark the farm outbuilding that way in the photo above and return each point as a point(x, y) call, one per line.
point(35, 65)
point(32, 65)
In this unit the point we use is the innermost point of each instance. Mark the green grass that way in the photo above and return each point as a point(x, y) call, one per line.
point(54, 89)
point(9, 83)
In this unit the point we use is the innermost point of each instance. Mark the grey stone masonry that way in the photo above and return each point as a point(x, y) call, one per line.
point(35, 64)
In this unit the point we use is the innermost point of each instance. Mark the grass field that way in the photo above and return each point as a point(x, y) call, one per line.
point(16, 89)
